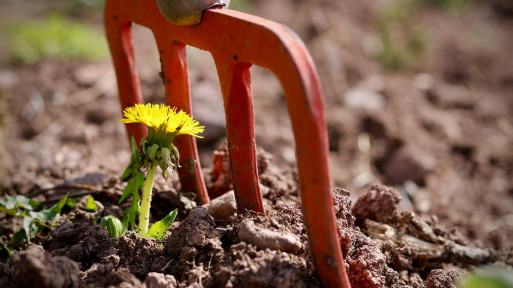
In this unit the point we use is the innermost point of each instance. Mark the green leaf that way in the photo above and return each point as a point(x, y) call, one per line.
point(152, 151)
point(135, 149)
point(133, 185)
point(132, 188)
point(128, 172)
point(165, 174)
point(113, 226)
point(176, 155)
point(71, 202)
point(11, 204)
point(12, 212)
point(489, 277)
point(135, 162)
point(4, 247)
point(34, 221)
point(144, 142)
point(32, 226)
point(91, 206)
point(165, 154)
point(52, 212)
point(158, 230)
point(129, 219)
point(19, 236)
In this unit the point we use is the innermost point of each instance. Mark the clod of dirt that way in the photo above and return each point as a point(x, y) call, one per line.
point(194, 245)
point(439, 278)
point(280, 182)
point(138, 254)
point(36, 268)
point(408, 241)
point(411, 223)
point(159, 280)
point(264, 238)
point(379, 203)
point(223, 207)
point(288, 220)
point(411, 280)
point(408, 163)
point(367, 264)
point(447, 96)
point(245, 266)
point(195, 231)
point(82, 242)
point(104, 275)
point(5, 274)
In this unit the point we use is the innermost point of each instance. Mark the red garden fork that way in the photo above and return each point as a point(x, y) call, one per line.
point(236, 41)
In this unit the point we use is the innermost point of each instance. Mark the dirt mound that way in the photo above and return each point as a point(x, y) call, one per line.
point(389, 247)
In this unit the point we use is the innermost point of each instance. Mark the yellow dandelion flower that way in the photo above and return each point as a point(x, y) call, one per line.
point(165, 122)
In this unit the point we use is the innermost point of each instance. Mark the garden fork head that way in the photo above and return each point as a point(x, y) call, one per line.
point(236, 41)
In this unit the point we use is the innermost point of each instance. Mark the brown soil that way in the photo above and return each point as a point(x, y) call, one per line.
point(439, 135)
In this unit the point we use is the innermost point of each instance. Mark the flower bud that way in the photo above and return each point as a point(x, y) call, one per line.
point(113, 225)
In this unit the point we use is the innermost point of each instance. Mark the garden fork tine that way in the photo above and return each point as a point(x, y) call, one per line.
point(237, 40)
point(175, 76)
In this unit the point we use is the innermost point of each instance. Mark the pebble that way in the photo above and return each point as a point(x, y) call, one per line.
point(424, 81)
point(223, 207)
point(364, 98)
point(408, 163)
point(263, 238)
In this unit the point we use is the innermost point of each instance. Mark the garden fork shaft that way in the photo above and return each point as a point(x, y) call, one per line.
point(236, 41)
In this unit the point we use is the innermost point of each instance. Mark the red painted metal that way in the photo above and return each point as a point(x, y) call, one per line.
point(236, 41)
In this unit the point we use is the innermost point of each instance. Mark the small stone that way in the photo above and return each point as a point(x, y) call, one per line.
point(36, 268)
point(223, 207)
point(379, 203)
point(88, 75)
point(452, 97)
point(263, 238)
point(159, 280)
point(408, 163)
point(375, 82)
point(443, 279)
point(72, 159)
point(195, 238)
point(424, 81)
point(364, 98)
point(92, 179)
point(8, 78)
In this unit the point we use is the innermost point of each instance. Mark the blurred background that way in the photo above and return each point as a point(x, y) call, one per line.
point(418, 95)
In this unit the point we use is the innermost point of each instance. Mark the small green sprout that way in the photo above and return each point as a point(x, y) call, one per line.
point(91, 206)
point(4, 250)
point(158, 230)
point(157, 149)
point(488, 277)
point(33, 221)
point(113, 225)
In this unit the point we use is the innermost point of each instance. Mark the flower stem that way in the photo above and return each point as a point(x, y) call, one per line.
point(144, 216)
